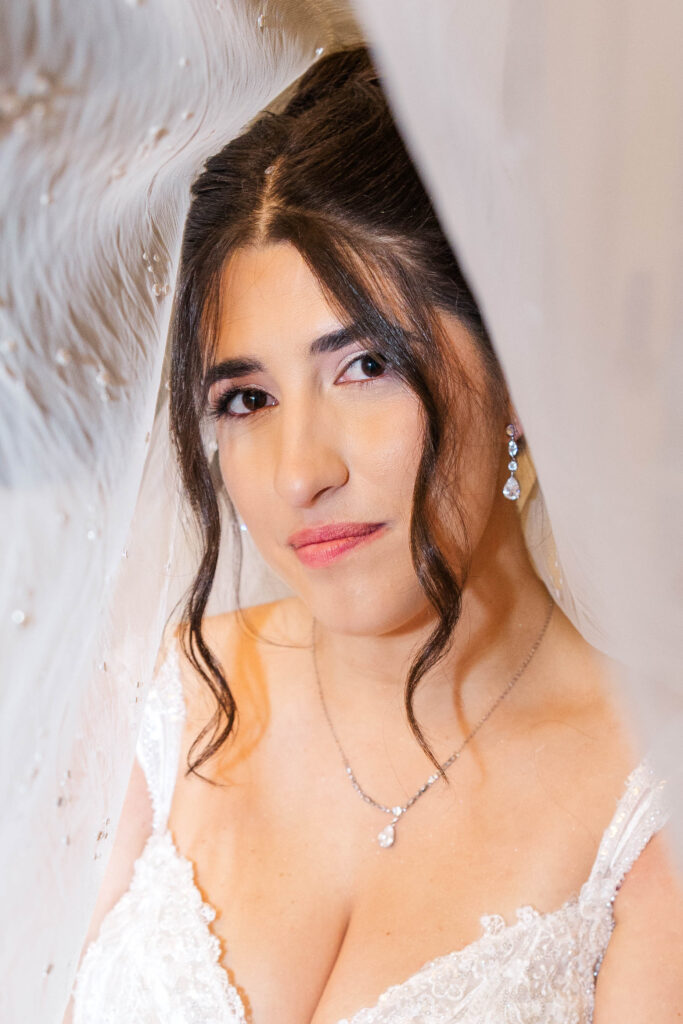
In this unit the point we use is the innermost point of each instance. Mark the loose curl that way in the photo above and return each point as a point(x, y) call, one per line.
point(330, 175)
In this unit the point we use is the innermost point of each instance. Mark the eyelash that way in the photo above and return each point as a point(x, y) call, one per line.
point(219, 407)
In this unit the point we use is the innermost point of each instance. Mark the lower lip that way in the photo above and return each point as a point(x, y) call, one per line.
point(316, 555)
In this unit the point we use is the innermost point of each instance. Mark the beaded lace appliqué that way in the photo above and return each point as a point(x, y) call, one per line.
point(156, 960)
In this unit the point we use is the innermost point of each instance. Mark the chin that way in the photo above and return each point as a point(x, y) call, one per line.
point(368, 609)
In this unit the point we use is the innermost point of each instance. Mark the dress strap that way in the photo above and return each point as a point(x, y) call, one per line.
point(640, 813)
point(161, 731)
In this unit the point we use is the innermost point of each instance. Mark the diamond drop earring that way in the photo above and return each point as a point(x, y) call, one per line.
point(511, 489)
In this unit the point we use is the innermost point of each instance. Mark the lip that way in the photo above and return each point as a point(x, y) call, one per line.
point(321, 545)
point(331, 531)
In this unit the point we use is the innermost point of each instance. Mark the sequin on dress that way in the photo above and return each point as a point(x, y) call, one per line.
point(156, 960)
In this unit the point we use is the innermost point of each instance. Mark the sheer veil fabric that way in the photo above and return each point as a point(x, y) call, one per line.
point(551, 138)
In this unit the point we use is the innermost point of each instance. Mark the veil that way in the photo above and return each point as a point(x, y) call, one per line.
point(551, 140)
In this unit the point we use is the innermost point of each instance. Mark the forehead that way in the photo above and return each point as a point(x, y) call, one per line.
point(270, 296)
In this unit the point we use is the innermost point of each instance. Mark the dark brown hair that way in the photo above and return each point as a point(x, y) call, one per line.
point(331, 175)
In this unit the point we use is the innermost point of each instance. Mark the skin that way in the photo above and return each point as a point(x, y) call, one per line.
point(315, 920)
point(306, 460)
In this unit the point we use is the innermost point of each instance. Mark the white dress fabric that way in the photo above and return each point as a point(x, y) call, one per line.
point(156, 961)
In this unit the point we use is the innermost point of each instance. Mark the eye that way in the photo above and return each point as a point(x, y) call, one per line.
point(372, 365)
point(241, 403)
point(238, 403)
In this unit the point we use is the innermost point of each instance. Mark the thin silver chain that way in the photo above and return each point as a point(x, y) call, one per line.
point(386, 837)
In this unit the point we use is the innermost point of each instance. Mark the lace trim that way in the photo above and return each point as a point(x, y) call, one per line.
point(156, 958)
point(161, 731)
point(641, 811)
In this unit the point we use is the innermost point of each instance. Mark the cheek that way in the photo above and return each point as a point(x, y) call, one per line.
point(384, 448)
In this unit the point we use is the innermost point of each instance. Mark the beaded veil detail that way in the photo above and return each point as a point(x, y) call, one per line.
point(156, 960)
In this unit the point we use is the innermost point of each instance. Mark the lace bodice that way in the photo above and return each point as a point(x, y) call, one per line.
point(156, 960)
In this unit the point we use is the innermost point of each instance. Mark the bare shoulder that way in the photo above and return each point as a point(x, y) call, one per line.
point(583, 708)
point(244, 643)
point(641, 977)
point(578, 740)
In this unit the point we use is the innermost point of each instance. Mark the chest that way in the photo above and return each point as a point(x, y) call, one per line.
point(316, 920)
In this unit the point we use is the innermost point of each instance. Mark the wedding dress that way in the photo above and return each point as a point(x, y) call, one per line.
point(156, 960)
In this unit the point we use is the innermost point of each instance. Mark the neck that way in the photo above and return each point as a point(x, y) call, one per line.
point(504, 607)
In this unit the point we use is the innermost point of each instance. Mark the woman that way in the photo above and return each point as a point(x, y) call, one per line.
point(415, 759)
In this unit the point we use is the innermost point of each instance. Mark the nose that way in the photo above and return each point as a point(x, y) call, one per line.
point(308, 460)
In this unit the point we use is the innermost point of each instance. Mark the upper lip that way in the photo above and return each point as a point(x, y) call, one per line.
point(331, 531)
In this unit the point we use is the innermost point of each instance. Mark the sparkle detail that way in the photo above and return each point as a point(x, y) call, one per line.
point(511, 489)
point(387, 837)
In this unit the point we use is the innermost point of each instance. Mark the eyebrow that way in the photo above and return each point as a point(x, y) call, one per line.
point(242, 366)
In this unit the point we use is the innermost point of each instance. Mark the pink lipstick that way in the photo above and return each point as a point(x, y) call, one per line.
point(319, 546)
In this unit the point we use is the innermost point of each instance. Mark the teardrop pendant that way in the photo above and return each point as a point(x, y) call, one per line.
point(386, 837)
point(511, 489)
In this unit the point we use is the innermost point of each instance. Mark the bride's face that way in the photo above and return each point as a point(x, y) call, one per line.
point(314, 434)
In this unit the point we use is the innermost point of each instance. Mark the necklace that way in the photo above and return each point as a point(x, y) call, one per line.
point(387, 836)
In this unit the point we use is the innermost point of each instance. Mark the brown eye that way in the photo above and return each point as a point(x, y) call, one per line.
point(239, 403)
point(252, 400)
point(371, 366)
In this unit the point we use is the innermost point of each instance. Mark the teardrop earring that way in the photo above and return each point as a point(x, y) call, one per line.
point(511, 489)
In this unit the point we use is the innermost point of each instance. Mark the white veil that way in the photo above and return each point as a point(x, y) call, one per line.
point(551, 138)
